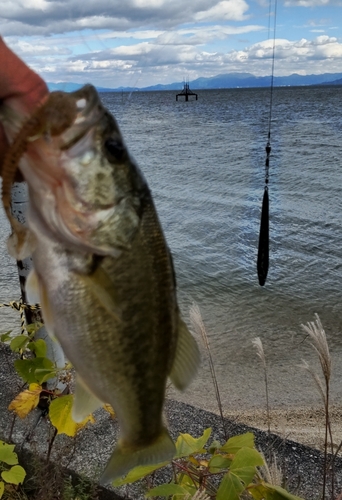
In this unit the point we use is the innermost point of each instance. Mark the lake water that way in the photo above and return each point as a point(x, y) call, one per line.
point(204, 161)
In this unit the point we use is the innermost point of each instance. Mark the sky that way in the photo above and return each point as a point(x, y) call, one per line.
point(137, 43)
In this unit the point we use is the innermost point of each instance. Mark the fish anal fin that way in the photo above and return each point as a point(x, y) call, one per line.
point(187, 358)
point(126, 457)
point(85, 402)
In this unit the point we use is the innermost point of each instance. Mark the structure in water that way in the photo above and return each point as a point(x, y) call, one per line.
point(186, 92)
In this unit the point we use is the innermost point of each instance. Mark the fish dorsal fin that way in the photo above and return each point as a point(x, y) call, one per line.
point(85, 402)
point(187, 358)
point(103, 289)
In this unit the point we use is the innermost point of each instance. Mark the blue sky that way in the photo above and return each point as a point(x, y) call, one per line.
point(115, 43)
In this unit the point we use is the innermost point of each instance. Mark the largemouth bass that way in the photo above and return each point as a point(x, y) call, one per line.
point(104, 277)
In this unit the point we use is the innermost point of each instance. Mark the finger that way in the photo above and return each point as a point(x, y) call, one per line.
point(3, 150)
point(3, 145)
point(20, 87)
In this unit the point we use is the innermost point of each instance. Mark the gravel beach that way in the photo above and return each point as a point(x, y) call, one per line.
point(306, 424)
point(295, 439)
point(296, 445)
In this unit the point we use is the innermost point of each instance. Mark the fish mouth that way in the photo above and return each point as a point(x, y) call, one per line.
point(89, 112)
point(74, 216)
point(62, 211)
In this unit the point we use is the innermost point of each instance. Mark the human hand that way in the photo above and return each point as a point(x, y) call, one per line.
point(21, 91)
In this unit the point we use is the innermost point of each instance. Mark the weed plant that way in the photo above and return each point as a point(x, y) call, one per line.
point(233, 470)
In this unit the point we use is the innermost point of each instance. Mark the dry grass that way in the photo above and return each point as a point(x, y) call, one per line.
point(200, 331)
point(270, 471)
point(257, 343)
point(316, 333)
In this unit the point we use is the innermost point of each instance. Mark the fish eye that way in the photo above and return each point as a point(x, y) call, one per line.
point(115, 148)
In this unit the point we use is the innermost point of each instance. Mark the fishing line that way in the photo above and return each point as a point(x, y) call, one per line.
point(263, 248)
point(269, 18)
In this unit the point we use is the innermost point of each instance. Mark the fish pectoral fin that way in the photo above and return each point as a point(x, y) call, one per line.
point(102, 288)
point(187, 358)
point(32, 288)
point(84, 403)
point(21, 242)
point(126, 457)
point(37, 294)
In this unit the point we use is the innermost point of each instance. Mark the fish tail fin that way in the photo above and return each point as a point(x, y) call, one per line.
point(125, 457)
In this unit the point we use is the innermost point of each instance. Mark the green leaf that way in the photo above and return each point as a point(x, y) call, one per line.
point(188, 483)
point(218, 462)
point(265, 491)
point(19, 342)
point(215, 445)
point(234, 444)
point(26, 368)
point(44, 374)
point(4, 337)
point(283, 494)
point(15, 475)
point(60, 416)
point(38, 347)
point(7, 454)
point(241, 473)
point(244, 464)
point(230, 488)
point(187, 445)
point(245, 474)
point(138, 473)
point(2, 488)
point(33, 328)
point(246, 457)
point(10, 446)
point(165, 490)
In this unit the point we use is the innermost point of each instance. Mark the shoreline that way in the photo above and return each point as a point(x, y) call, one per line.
point(300, 466)
point(302, 424)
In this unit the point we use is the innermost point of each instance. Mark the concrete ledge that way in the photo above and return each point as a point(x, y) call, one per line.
point(56, 475)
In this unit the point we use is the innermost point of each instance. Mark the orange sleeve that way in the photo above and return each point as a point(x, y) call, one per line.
point(20, 87)
point(17, 81)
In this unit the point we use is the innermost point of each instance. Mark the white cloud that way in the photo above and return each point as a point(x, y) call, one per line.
point(149, 59)
point(292, 56)
point(311, 3)
point(142, 4)
point(59, 16)
point(201, 35)
point(227, 10)
point(27, 49)
point(109, 43)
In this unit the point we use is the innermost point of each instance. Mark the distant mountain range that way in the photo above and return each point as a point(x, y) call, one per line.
point(227, 81)
point(71, 87)
point(335, 82)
